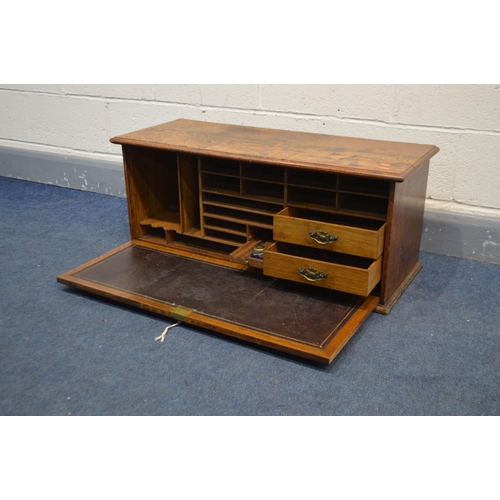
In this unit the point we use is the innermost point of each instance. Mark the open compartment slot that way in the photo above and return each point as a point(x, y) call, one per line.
point(227, 226)
point(312, 178)
point(221, 184)
point(363, 185)
point(193, 243)
point(219, 166)
point(227, 238)
point(220, 176)
point(259, 172)
point(152, 181)
point(370, 207)
point(253, 206)
point(238, 216)
point(166, 220)
point(318, 199)
point(263, 191)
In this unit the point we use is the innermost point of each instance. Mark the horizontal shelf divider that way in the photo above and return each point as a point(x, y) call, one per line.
point(243, 208)
point(342, 191)
point(165, 220)
point(272, 200)
point(264, 198)
point(363, 193)
point(221, 191)
point(224, 230)
point(263, 180)
point(222, 174)
point(194, 232)
point(312, 188)
point(241, 220)
point(224, 242)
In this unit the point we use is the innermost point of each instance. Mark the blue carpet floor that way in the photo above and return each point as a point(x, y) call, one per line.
point(66, 353)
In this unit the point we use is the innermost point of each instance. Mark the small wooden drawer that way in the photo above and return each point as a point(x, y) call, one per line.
point(333, 232)
point(324, 269)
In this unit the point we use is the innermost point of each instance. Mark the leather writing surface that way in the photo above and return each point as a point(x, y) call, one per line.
point(284, 309)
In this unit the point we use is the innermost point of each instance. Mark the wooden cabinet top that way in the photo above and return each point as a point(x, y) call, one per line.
point(364, 157)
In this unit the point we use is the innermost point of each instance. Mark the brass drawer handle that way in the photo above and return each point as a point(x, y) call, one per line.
point(310, 274)
point(322, 237)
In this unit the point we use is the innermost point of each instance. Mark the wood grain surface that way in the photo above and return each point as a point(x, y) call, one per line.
point(363, 157)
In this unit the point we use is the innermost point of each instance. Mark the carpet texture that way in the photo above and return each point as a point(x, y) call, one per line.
point(66, 353)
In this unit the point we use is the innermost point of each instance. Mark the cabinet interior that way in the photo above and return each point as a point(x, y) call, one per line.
point(224, 207)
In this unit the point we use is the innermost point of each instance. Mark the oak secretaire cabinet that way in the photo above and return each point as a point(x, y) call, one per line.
point(285, 239)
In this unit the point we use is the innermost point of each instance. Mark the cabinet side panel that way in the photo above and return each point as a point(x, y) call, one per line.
point(404, 231)
point(152, 184)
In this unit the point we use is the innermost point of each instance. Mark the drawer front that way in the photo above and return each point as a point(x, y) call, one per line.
point(335, 237)
point(358, 281)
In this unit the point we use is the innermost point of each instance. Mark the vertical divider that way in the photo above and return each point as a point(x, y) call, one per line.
point(188, 191)
point(179, 192)
point(240, 173)
point(200, 194)
point(337, 198)
point(285, 187)
point(242, 191)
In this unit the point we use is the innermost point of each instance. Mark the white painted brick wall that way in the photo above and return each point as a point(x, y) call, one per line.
point(71, 122)
point(462, 120)
point(223, 96)
point(141, 115)
point(475, 107)
point(367, 102)
point(13, 117)
point(477, 175)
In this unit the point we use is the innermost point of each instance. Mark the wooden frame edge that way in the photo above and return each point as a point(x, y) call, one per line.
point(350, 328)
point(386, 307)
point(65, 277)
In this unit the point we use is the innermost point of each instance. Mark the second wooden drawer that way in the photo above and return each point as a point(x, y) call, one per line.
point(324, 269)
point(361, 237)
